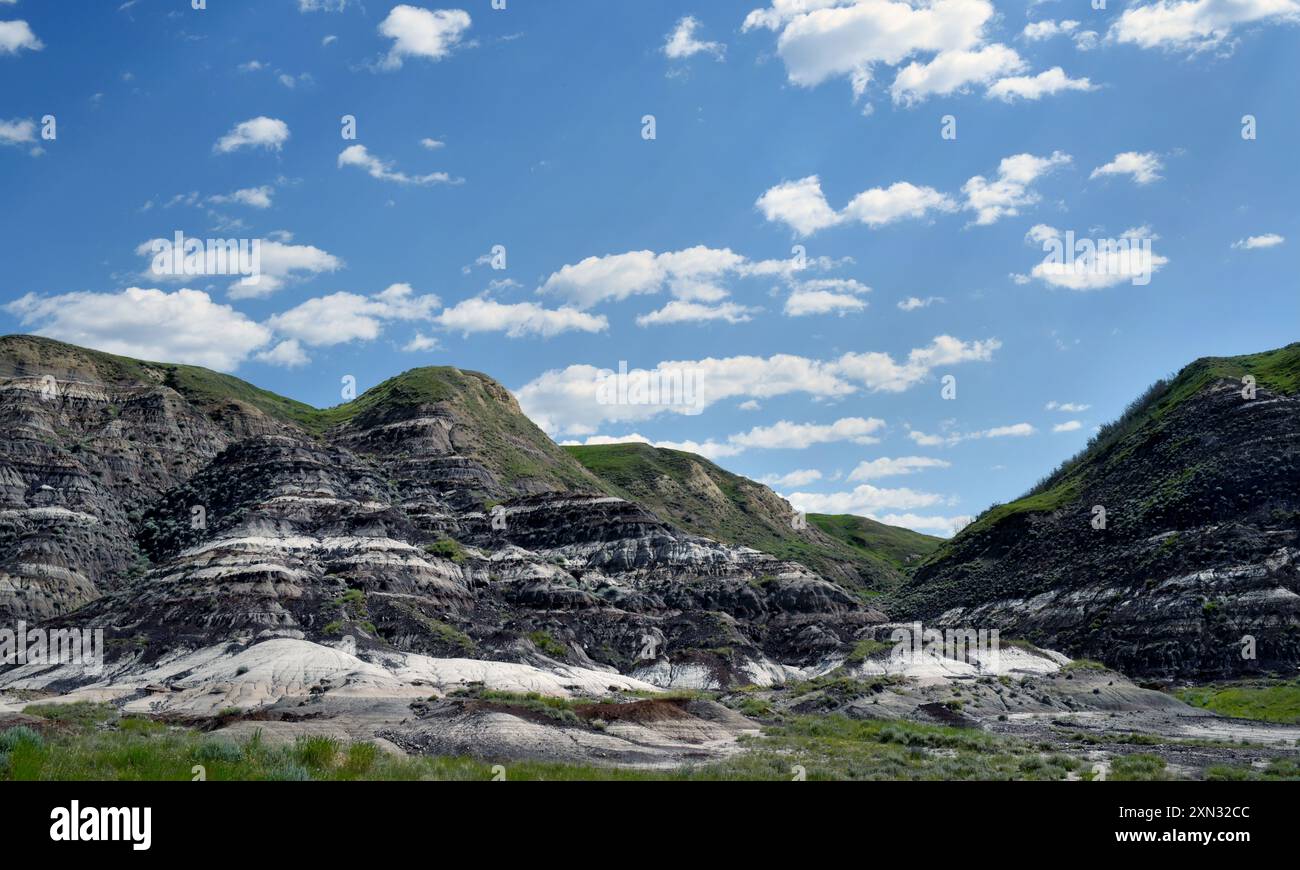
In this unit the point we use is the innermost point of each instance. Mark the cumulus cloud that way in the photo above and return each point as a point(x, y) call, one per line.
point(887, 467)
point(783, 435)
point(802, 206)
point(566, 401)
point(1196, 25)
point(912, 303)
point(953, 71)
point(1037, 31)
point(358, 156)
point(518, 319)
point(1068, 426)
point(692, 275)
point(801, 477)
point(1267, 240)
point(259, 132)
point(951, 438)
point(1066, 407)
point(1046, 83)
point(1143, 167)
point(826, 296)
point(18, 132)
point(281, 264)
point(344, 317)
point(16, 36)
point(254, 197)
point(1010, 191)
point(681, 43)
point(865, 500)
point(680, 311)
point(286, 354)
point(416, 32)
point(184, 326)
point(1095, 264)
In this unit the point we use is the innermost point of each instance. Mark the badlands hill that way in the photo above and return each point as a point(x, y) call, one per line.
point(1199, 482)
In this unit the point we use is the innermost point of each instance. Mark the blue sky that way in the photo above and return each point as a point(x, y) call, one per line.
point(818, 124)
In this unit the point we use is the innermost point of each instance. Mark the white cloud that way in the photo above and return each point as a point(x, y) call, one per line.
point(801, 477)
point(1046, 83)
point(422, 343)
point(879, 206)
point(1039, 30)
point(1010, 191)
point(431, 144)
point(281, 263)
point(358, 156)
point(953, 71)
point(343, 317)
point(1068, 426)
point(1196, 25)
point(565, 401)
point(879, 372)
point(785, 435)
point(1143, 167)
point(1066, 407)
point(16, 36)
point(19, 131)
point(423, 33)
point(949, 438)
point(287, 354)
point(680, 311)
point(519, 319)
point(1095, 264)
point(912, 303)
point(802, 206)
point(259, 132)
point(254, 197)
point(1267, 240)
point(864, 500)
point(322, 5)
point(887, 467)
point(184, 326)
point(826, 296)
point(824, 39)
point(681, 43)
point(251, 66)
point(690, 275)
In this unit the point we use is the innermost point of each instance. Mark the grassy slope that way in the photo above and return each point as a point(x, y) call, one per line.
point(505, 440)
point(1276, 370)
point(94, 743)
point(697, 495)
point(901, 547)
point(1265, 700)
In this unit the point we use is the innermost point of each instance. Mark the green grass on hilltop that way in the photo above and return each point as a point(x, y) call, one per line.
point(1275, 370)
point(701, 497)
point(1264, 700)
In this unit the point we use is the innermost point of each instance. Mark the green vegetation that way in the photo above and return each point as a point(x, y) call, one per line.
point(1263, 700)
point(1276, 370)
point(549, 645)
point(697, 495)
point(903, 548)
point(820, 748)
point(502, 438)
point(446, 548)
point(1139, 767)
point(1287, 769)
